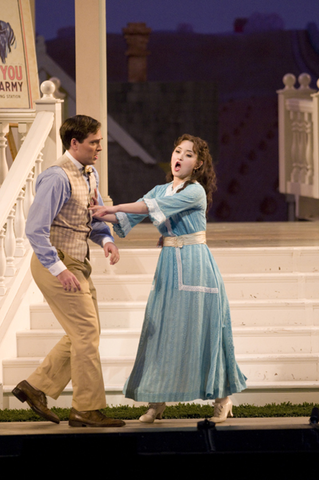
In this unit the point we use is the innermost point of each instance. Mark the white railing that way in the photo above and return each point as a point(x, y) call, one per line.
point(40, 146)
point(298, 139)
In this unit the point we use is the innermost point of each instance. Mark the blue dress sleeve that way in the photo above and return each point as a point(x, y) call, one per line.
point(193, 197)
point(126, 221)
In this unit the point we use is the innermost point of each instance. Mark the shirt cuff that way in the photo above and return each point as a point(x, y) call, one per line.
point(57, 268)
point(107, 240)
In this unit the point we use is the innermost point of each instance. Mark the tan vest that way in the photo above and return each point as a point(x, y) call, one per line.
point(71, 227)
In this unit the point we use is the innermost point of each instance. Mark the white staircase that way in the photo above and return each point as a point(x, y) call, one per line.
point(274, 298)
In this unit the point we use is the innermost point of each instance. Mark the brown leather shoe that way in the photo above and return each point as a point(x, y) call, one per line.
point(35, 399)
point(92, 418)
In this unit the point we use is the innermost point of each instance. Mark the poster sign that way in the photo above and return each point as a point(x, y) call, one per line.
point(19, 84)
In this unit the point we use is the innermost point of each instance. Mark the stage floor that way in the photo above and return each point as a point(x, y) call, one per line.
point(260, 447)
point(235, 235)
point(48, 428)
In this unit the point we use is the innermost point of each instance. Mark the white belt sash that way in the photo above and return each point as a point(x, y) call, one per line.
point(188, 239)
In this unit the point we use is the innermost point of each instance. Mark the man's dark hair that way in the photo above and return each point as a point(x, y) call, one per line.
point(78, 127)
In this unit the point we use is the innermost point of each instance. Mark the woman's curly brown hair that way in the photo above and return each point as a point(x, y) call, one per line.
point(205, 173)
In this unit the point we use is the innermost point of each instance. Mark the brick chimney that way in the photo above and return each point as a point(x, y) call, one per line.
point(137, 36)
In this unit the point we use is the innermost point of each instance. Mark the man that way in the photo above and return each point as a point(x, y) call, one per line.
point(58, 227)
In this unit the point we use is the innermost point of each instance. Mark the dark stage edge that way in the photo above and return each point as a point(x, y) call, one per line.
point(170, 448)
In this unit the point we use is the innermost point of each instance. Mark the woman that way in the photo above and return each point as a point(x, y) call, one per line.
point(186, 347)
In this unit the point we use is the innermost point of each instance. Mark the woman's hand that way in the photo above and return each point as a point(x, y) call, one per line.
point(99, 211)
point(102, 210)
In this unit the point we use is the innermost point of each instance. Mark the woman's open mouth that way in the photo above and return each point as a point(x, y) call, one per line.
point(177, 167)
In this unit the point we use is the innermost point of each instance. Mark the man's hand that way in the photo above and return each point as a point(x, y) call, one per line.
point(160, 241)
point(69, 281)
point(94, 199)
point(111, 248)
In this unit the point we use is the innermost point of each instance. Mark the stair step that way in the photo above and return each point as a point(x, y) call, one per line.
point(261, 368)
point(229, 260)
point(112, 315)
point(255, 394)
point(284, 385)
point(275, 312)
point(115, 369)
point(122, 287)
point(38, 343)
point(132, 261)
point(267, 260)
point(254, 312)
point(238, 286)
point(68, 389)
point(272, 286)
point(278, 368)
point(276, 340)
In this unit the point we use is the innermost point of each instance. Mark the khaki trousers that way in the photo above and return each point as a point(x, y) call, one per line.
point(76, 356)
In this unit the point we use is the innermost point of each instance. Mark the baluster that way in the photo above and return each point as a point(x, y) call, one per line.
point(4, 128)
point(37, 169)
point(19, 224)
point(10, 246)
point(309, 151)
point(294, 176)
point(302, 148)
point(2, 263)
point(28, 198)
point(22, 131)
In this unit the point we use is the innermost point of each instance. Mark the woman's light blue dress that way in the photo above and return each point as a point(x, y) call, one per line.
point(186, 349)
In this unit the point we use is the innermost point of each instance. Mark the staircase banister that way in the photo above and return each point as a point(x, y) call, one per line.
point(24, 162)
point(299, 104)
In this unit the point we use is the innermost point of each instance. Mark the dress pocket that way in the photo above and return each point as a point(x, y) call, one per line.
point(188, 281)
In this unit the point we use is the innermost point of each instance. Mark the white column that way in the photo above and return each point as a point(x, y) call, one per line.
point(91, 77)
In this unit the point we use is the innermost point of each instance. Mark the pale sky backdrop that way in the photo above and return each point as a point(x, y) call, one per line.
point(204, 16)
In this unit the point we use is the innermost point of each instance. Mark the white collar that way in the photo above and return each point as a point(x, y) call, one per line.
point(171, 191)
point(76, 162)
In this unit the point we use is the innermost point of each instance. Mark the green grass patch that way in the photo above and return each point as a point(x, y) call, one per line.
point(180, 411)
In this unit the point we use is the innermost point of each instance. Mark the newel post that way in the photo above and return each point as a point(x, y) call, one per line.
point(53, 145)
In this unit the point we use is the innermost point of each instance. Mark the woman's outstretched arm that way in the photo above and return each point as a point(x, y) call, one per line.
point(107, 213)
